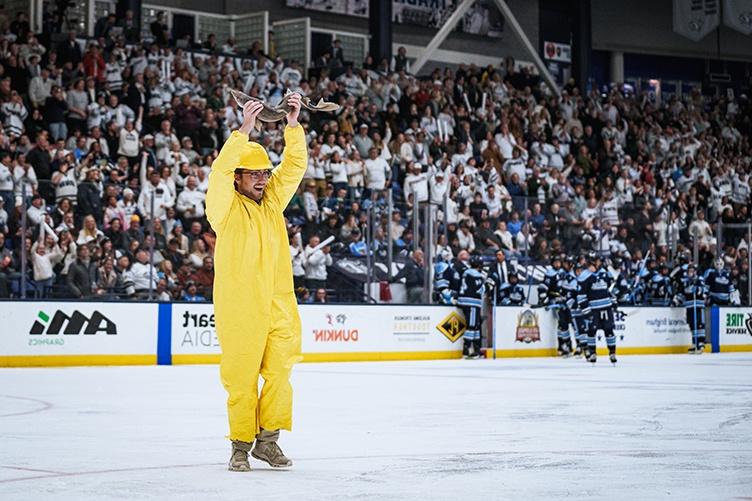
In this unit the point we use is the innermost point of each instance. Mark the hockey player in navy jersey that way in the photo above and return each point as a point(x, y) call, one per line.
point(692, 294)
point(550, 288)
point(454, 272)
point(622, 288)
point(721, 290)
point(594, 284)
point(568, 288)
point(680, 271)
point(552, 294)
point(511, 293)
point(644, 275)
point(659, 287)
point(470, 299)
point(442, 271)
point(580, 312)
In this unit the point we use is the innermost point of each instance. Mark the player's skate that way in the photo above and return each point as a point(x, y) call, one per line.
point(239, 457)
point(593, 357)
point(578, 352)
point(267, 450)
point(466, 349)
point(471, 354)
point(697, 350)
point(612, 358)
point(475, 349)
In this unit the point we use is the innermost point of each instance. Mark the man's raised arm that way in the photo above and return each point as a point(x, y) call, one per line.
point(221, 190)
point(289, 174)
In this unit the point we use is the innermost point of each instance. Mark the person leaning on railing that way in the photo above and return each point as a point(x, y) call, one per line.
point(414, 274)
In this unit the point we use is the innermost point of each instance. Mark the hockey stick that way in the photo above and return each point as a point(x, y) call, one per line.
point(493, 317)
point(694, 313)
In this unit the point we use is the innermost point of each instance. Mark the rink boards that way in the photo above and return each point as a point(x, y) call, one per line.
point(46, 333)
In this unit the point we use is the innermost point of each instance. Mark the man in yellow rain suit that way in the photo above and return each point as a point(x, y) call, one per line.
point(254, 304)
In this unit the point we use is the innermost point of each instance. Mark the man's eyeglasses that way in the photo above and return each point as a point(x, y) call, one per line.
point(256, 174)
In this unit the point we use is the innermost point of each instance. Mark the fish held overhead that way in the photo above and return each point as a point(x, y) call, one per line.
point(277, 113)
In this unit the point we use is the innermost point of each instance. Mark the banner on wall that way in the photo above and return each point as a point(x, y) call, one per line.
point(558, 57)
point(737, 15)
point(735, 329)
point(483, 18)
point(124, 330)
point(560, 52)
point(694, 19)
point(368, 332)
point(532, 331)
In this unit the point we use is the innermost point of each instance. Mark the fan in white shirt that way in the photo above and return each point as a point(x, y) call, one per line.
point(163, 140)
point(119, 112)
point(506, 141)
point(191, 200)
point(377, 171)
point(465, 238)
point(310, 203)
point(338, 170)
point(416, 183)
point(504, 236)
point(462, 155)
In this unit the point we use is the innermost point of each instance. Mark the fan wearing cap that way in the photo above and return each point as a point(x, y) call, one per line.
point(254, 303)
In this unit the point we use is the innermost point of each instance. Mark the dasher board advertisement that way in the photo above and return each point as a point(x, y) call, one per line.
point(69, 333)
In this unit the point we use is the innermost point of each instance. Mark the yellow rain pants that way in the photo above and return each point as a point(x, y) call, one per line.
point(256, 314)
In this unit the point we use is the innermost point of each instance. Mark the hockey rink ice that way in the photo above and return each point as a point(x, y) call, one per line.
point(654, 427)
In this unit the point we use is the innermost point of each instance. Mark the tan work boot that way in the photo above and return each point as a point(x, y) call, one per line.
point(239, 457)
point(267, 450)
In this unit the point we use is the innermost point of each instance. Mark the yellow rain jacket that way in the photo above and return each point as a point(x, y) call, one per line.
point(256, 313)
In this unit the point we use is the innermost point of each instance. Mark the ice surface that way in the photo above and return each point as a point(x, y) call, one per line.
point(655, 427)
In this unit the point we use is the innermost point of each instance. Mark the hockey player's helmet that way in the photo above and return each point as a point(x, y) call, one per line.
point(691, 269)
point(476, 261)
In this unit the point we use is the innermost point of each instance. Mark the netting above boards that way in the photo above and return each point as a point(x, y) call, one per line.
point(291, 40)
point(248, 29)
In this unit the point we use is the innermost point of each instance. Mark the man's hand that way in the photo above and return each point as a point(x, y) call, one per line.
point(294, 102)
point(251, 109)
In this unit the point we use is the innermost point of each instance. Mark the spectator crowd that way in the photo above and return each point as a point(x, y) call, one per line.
point(107, 143)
